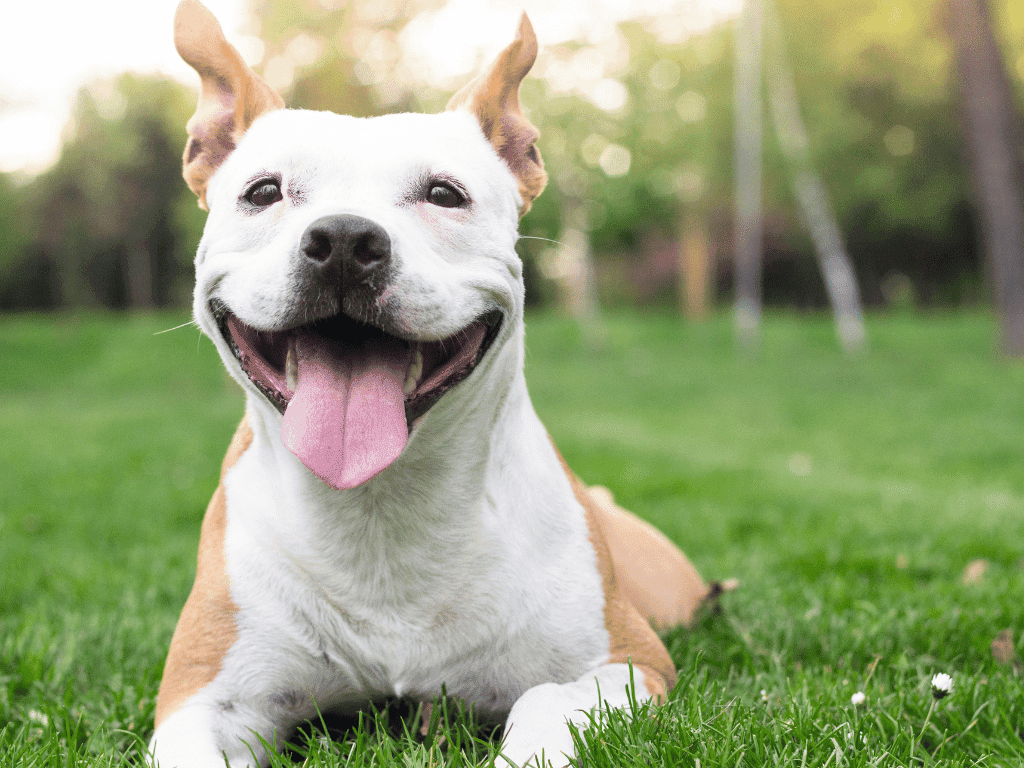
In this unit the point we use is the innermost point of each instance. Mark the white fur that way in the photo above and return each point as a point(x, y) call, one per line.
point(467, 562)
point(536, 725)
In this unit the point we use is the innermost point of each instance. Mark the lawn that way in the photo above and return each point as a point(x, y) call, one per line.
point(847, 496)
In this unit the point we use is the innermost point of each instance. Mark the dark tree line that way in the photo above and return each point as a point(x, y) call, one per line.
point(110, 224)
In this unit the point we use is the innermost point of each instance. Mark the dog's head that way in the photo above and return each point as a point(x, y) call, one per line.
point(354, 271)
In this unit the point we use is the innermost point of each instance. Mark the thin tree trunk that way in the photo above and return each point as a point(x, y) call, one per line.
point(576, 264)
point(811, 194)
point(571, 267)
point(695, 269)
point(994, 143)
point(748, 151)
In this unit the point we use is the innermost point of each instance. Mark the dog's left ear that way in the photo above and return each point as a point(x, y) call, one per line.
point(493, 98)
point(232, 96)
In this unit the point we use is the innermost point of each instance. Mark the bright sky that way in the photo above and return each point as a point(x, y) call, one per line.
point(50, 48)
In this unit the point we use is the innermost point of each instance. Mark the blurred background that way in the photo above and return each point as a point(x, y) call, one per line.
point(876, 104)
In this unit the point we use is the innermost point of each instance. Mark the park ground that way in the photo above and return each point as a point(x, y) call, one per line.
point(870, 507)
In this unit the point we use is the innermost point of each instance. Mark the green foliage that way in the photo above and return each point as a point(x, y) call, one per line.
point(845, 495)
point(878, 94)
point(673, 122)
point(337, 56)
point(113, 217)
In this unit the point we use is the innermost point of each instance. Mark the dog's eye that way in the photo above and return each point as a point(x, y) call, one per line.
point(445, 196)
point(264, 193)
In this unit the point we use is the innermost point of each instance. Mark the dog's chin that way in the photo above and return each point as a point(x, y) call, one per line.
point(270, 358)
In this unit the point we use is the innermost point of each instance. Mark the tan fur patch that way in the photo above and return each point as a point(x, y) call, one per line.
point(630, 636)
point(206, 629)
point(656, 576)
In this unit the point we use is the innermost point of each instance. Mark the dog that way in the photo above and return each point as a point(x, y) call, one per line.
point(392, 518)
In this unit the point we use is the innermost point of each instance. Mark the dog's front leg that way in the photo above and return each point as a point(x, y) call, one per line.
point(537, 731)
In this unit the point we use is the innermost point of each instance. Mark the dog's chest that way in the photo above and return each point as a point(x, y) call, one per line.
point(367, 608)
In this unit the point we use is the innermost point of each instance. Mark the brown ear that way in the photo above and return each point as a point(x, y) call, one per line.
point(230, 98)
point(493, 98)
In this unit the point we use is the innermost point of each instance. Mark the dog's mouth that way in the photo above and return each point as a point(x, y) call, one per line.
point(349, 392)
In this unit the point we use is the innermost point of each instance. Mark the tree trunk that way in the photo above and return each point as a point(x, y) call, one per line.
point(139, 276)
point(748, 132)
point(571, 267)
point(811, 193)
point(994, 141)
point(694, 269)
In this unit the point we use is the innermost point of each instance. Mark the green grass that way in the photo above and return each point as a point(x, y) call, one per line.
point(846, 495)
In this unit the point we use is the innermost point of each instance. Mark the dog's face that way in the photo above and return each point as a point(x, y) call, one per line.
point(353, 271)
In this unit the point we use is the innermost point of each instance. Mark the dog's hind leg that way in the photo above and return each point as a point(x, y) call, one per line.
point(656, 577)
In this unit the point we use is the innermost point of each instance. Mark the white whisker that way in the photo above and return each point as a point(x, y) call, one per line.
point(183, 325)
point(542, 239)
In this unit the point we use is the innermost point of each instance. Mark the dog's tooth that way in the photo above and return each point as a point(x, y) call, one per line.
point(412, 378)
point(291, 368)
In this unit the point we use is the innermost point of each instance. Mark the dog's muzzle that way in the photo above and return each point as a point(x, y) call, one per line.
point(348, 390)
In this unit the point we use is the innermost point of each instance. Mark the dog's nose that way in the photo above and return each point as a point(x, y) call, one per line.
point(356, 246)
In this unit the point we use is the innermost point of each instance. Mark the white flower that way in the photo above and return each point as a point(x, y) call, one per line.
point(38, 717)
point(942, 685)
point(857, 698)
point(764, 695)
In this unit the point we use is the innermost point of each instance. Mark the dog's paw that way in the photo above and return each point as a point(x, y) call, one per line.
point(537, 733)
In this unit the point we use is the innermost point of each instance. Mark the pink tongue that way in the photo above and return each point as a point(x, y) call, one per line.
point(346, 421)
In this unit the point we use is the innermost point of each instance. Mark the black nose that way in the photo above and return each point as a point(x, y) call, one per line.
point(351, 244)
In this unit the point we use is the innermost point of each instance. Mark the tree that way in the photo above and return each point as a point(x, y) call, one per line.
point(995, 138)
point(113, 215)
point(27, 279)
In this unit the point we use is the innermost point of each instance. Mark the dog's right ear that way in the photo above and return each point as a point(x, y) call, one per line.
point(231, 95)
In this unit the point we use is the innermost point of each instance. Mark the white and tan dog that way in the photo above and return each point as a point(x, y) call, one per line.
point(392, 516)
